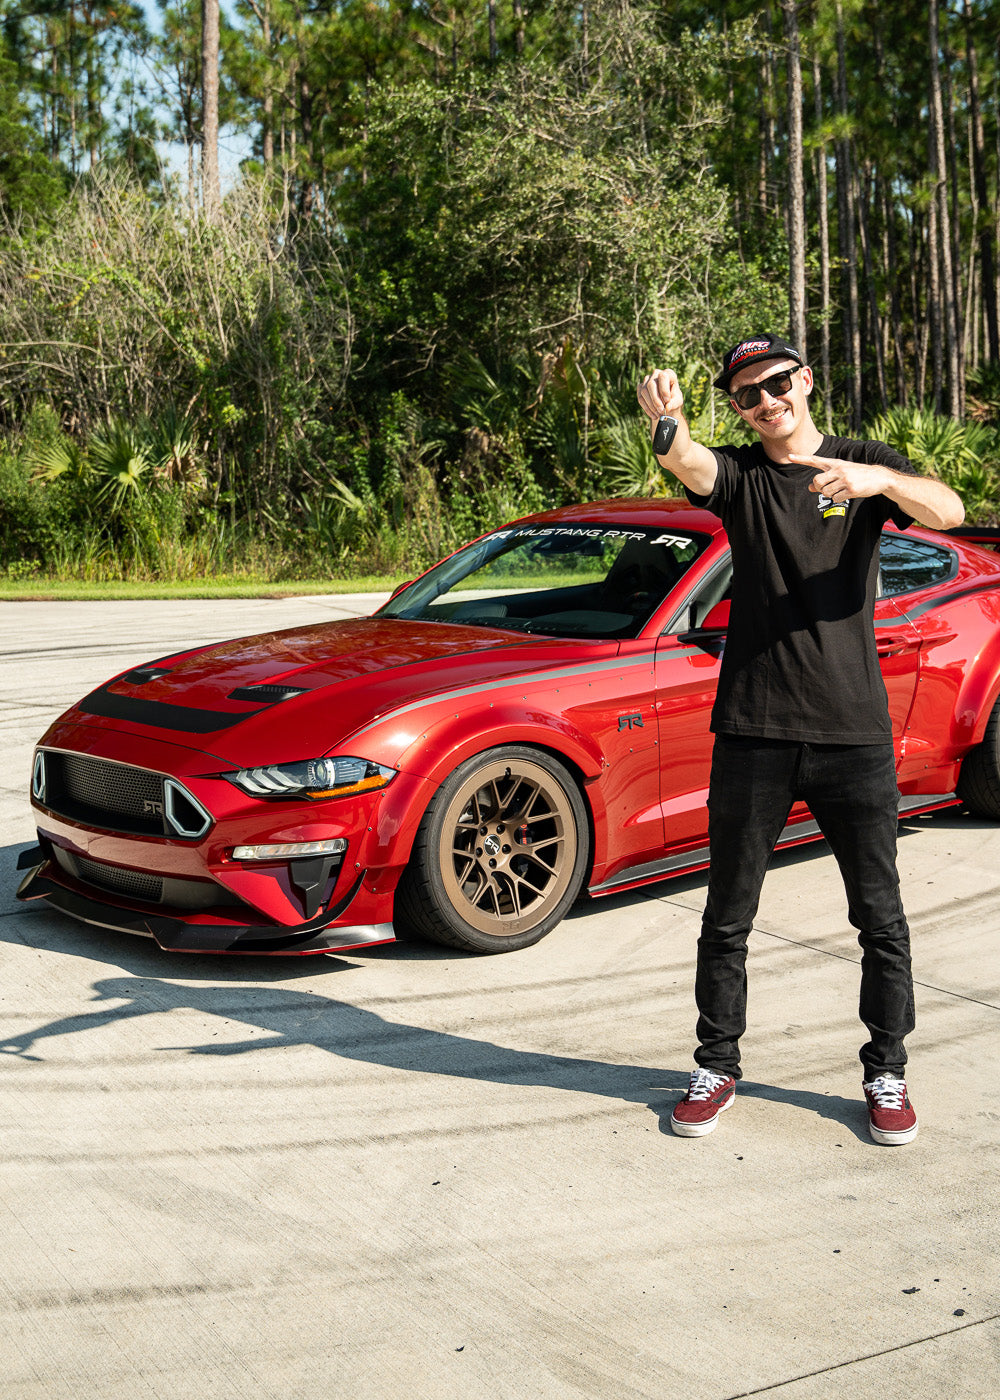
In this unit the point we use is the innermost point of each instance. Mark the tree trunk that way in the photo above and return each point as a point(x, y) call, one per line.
point(919, 307)
point(796, 183)
point(895, 304)
point(846, 235)
point(875, 320)
point(585, 43)
point(954, 216)
point(766, 119)
point(71, 48)
point(824, 243)
point(985, 234)
point(306, 187)
point(935, 312)
point(211, 195)
point(267, 120)
point(93, 109)
point(939, 169)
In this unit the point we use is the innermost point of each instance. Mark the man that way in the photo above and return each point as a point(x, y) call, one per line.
point(801, 712)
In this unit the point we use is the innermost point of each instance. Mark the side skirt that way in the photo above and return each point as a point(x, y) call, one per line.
point(795, 834)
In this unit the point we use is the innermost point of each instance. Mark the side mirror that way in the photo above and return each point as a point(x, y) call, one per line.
point(399, 588)
point(717, 617)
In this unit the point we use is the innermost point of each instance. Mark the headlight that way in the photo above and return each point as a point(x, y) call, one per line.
point(313, 778)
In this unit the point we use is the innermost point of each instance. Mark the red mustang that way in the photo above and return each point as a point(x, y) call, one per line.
point(527, 720)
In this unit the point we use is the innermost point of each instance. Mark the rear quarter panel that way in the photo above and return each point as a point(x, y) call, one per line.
point(959, 681)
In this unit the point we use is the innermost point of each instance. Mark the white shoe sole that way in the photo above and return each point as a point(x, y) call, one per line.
point(890, 1139)
point(701, 1129)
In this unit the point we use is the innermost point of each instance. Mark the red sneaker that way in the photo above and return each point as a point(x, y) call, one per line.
point(891, 1119)
point(708, 1095)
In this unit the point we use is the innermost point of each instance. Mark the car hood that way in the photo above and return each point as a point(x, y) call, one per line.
point(302, 692)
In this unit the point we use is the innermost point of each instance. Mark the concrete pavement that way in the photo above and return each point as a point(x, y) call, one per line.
point(413, 1172)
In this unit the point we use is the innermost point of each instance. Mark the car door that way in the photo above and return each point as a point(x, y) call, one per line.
point(688, 657)
point(912, 574)
point(898, 644)
point(688, 660)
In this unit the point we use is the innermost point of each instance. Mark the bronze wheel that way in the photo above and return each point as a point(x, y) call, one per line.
point(501, 852)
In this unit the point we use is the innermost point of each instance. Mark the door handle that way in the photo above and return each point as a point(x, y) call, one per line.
point(894, 643)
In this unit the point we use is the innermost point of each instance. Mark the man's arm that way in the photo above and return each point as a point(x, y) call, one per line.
point(929, 502)
point(692, 464)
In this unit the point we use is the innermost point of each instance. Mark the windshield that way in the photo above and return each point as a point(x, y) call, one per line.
point(597, 581)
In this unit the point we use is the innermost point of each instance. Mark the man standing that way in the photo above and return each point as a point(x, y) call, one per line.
point(801, 712)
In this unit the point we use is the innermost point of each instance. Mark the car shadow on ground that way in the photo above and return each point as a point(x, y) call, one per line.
point(257, 992)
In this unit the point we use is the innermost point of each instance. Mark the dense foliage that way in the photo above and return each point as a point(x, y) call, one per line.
point(457, 237)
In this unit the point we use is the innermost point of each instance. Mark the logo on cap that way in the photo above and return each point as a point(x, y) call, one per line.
point(749, 347)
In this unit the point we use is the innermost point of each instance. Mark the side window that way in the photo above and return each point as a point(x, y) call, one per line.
point(906, 564)
point(717, 587)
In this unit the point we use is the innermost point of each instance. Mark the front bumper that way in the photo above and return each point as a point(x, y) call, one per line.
point(205, 932)
point(193, 893)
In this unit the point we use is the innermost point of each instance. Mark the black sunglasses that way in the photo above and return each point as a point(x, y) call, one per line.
point(775, 384)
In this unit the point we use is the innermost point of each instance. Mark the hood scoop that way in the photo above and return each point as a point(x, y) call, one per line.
point(265, 694)
point(142, 674)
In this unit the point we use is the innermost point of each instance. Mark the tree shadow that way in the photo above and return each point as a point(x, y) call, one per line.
point(213, 986)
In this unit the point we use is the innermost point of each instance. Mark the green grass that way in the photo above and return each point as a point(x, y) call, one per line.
point(41, 589)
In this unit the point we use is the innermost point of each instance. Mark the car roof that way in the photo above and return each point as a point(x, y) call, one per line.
point(652, 513)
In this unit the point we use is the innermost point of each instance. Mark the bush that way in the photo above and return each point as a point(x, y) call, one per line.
point(982, 390)
point(964, 455)
point(244, 319)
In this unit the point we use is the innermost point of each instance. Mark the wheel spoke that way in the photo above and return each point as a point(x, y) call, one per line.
point(523, 892)
point(496, 808)
point(536, 846)
point(484, 888)
point(548, 869)
point(490, 887)
point(529, 812)
point(507, 808)
point(465, 863)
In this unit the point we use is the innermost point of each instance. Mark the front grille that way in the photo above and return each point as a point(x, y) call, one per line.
point(144, 887)
point(106, 794)
point(112, 787)
point(132, 883)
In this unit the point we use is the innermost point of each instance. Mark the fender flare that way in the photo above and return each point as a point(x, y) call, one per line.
point(450, 741)
point(976, 698)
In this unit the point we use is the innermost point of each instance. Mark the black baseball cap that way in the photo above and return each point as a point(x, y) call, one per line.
point(756, 347)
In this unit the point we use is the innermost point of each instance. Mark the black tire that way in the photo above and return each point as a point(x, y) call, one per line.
point(979, 780)
point(500, 854)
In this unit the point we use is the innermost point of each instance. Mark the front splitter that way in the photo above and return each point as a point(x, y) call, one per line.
point(179, 936)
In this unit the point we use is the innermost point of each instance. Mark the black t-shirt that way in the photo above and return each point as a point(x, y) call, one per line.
point(800, 660)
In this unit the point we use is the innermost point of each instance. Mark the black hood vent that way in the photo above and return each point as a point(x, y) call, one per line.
point(142, 674)
point(265, 694)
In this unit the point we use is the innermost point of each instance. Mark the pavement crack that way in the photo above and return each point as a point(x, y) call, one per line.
point(859, 1360)
point(844, 957)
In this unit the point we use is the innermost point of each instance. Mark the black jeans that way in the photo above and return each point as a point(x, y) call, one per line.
point(852, 793)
